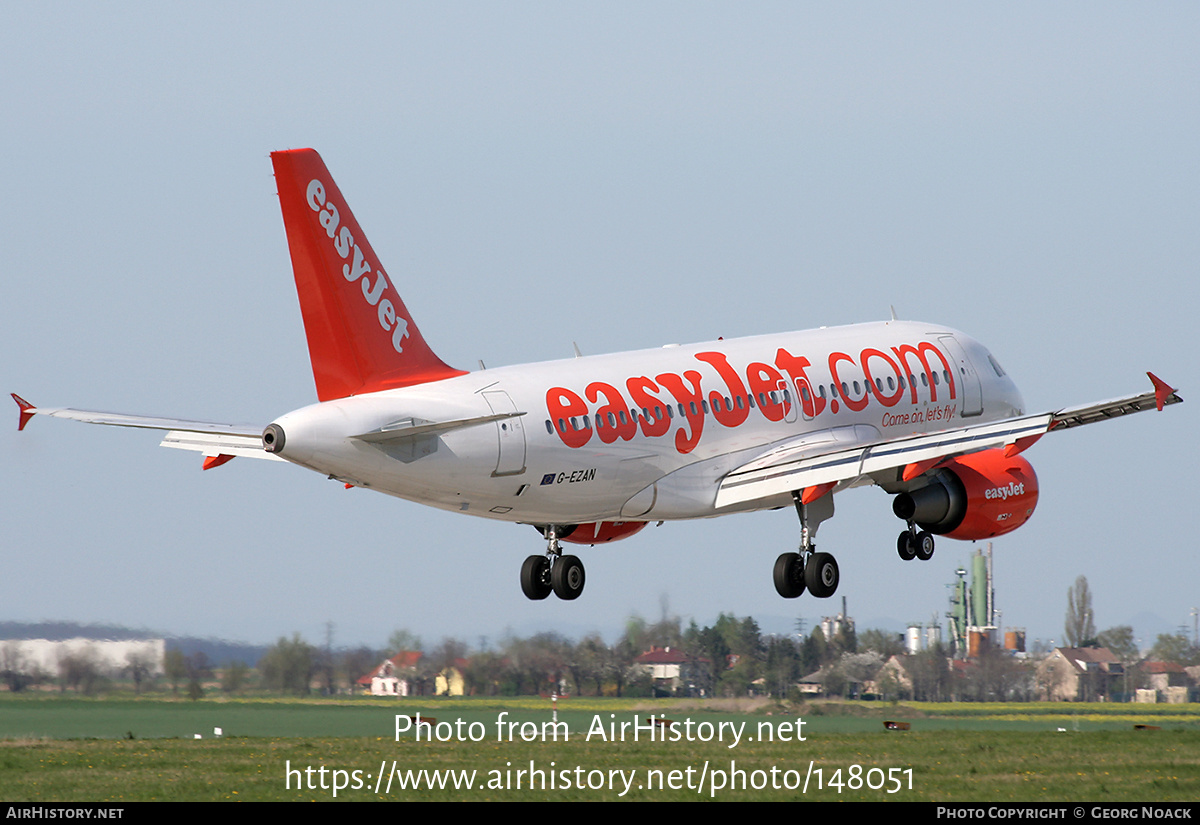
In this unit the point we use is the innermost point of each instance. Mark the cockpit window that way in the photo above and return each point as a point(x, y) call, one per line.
point(996, 365)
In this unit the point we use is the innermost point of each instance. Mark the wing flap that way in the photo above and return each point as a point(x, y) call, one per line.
point(764, 479)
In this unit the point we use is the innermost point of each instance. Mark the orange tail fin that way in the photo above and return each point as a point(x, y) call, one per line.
point(360, 336)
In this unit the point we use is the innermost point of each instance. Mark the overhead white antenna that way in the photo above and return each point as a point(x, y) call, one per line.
point(578, 354)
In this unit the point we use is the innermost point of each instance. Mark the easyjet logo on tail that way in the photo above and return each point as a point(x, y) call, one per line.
point(358, 267)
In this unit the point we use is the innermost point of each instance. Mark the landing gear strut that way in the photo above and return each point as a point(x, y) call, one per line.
point(818, 572)
point(555, 572)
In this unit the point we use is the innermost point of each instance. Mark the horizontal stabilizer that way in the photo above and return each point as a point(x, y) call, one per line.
point(207, 437)
point(146, 422)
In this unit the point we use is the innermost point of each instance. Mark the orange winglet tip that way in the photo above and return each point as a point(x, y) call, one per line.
point(349, 486)
point(1021, 445)
point(911, 471)
point(1161, 390)
point(811, 494)
point(27, 410)
point(211, 461)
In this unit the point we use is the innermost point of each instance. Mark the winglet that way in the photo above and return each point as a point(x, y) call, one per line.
point(27, 410)
point(1161, 391)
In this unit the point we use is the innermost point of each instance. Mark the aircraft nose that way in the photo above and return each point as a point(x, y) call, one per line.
point(273, 438)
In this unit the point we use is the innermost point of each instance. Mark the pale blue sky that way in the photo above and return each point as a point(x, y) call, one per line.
point(620, 175)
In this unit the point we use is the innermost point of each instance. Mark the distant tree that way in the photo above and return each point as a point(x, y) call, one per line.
point(707, 644)
point(845, 640)
point(1080, 625)
point(816, 650)
point(358, 662)
point(80, 671)
point(628, 647)
point(884, 643)
point(233, 677)
point(997, 677)
point(485, 673)
point(401, 640)
point(782, 665)
point(1120, 641)
point(1175, 648)
point(199, 669)
point(176, 668)
point(588, 664)
point(139, 665)
point(930, 674)
point(288, 666)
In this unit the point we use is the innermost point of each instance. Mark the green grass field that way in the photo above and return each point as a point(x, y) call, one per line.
point(57, 749)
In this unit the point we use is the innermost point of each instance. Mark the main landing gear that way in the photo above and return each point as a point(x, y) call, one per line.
point(818, 572)
point(552, 572)
point(915, 544)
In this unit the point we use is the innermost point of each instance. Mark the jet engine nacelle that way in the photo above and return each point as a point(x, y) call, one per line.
point(976, 496)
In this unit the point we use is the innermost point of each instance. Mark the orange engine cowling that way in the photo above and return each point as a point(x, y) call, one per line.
point(976, 496)
point(601, 532)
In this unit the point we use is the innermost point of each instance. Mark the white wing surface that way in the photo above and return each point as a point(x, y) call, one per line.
point(811, 461)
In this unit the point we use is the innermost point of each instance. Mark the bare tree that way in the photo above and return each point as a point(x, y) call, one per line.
point(140, 666)
point(1081, 626)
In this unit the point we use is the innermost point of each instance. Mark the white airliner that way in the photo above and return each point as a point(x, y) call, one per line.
point(591, 449)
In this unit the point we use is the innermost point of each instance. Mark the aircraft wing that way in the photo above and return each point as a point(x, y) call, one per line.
point(814, 463)
point(209, 438)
